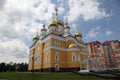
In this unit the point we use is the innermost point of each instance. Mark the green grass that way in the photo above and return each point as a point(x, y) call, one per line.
point(45, 76)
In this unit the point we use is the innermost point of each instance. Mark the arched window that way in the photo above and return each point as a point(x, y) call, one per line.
point(79, 57)
point(56, 57)
point(73, 57)
point(37, 58)
point(46, 57)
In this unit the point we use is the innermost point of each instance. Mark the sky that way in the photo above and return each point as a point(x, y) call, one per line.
point(95, 19)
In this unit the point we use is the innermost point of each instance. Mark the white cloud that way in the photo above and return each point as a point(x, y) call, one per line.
point(14, 48)
point(88, 9)
point(18, 24)
point(2, 2)
point(61, 10)
point(93, 32)
point(17, 14)
point(108, 32)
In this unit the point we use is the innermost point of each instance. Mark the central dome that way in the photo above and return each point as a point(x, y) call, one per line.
point(52, 23)
point(55, 22)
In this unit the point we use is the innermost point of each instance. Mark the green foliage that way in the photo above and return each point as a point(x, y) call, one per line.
point(45, 76)
point(13, 67)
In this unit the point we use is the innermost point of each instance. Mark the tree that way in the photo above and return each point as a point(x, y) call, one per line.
point(13, 67)
point(2, 67)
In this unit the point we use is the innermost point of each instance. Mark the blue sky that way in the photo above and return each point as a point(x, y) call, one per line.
point(95, 19)
point(109, 27)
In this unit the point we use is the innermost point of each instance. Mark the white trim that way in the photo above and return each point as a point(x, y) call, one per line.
point(83, 53)
point(73, 62)
point(72, 49)
point(61, 48)
point(54, 47)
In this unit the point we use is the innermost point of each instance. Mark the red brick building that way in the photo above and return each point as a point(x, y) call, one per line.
point(96, 55)
point(104, 55)
point(115, 44)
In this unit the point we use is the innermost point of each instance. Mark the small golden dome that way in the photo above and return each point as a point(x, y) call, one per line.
point(78, 34)
point(43, 28)
point(72, 46)
point(66, 26)
point(36, 37)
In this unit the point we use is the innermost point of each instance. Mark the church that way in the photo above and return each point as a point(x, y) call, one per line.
point(55, 49)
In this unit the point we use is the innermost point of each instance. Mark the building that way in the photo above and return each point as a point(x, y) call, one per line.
point(56, 49)
point(96, 56)
point(104, 55)
point(112, 53)
point(116, 52)
point(110, 61)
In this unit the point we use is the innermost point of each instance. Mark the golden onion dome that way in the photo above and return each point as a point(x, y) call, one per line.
point(55, 22)
point(36, 37)
point(59, 22)
point(66, 26)
point(72, 46)
point(78, 34)
point(43, 29)
point(52, 22)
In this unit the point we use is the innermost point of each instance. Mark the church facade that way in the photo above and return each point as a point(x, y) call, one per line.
point(56, 49)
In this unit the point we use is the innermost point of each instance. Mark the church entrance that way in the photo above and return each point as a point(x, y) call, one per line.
point(56, 67)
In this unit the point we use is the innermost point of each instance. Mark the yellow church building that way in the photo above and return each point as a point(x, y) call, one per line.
point(56, 49)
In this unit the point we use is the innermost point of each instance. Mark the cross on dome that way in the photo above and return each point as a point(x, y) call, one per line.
point(56, 13)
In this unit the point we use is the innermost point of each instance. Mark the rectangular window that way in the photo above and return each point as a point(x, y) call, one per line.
point(46, 57)
point(56, 42)
point(37, 58)
point(56, 56)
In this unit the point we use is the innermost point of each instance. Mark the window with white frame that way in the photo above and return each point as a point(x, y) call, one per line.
point(79, 57)
point(47, 57)
point(56, 56)
point(57, 42)
point(73, 57)
point(37, 58)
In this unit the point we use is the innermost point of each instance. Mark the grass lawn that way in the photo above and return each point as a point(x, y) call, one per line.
point(45, 76)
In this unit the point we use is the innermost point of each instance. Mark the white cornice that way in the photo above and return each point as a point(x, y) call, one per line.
point(54, 47)
point(65, 39)
point(65, 49)
point(73, 49)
